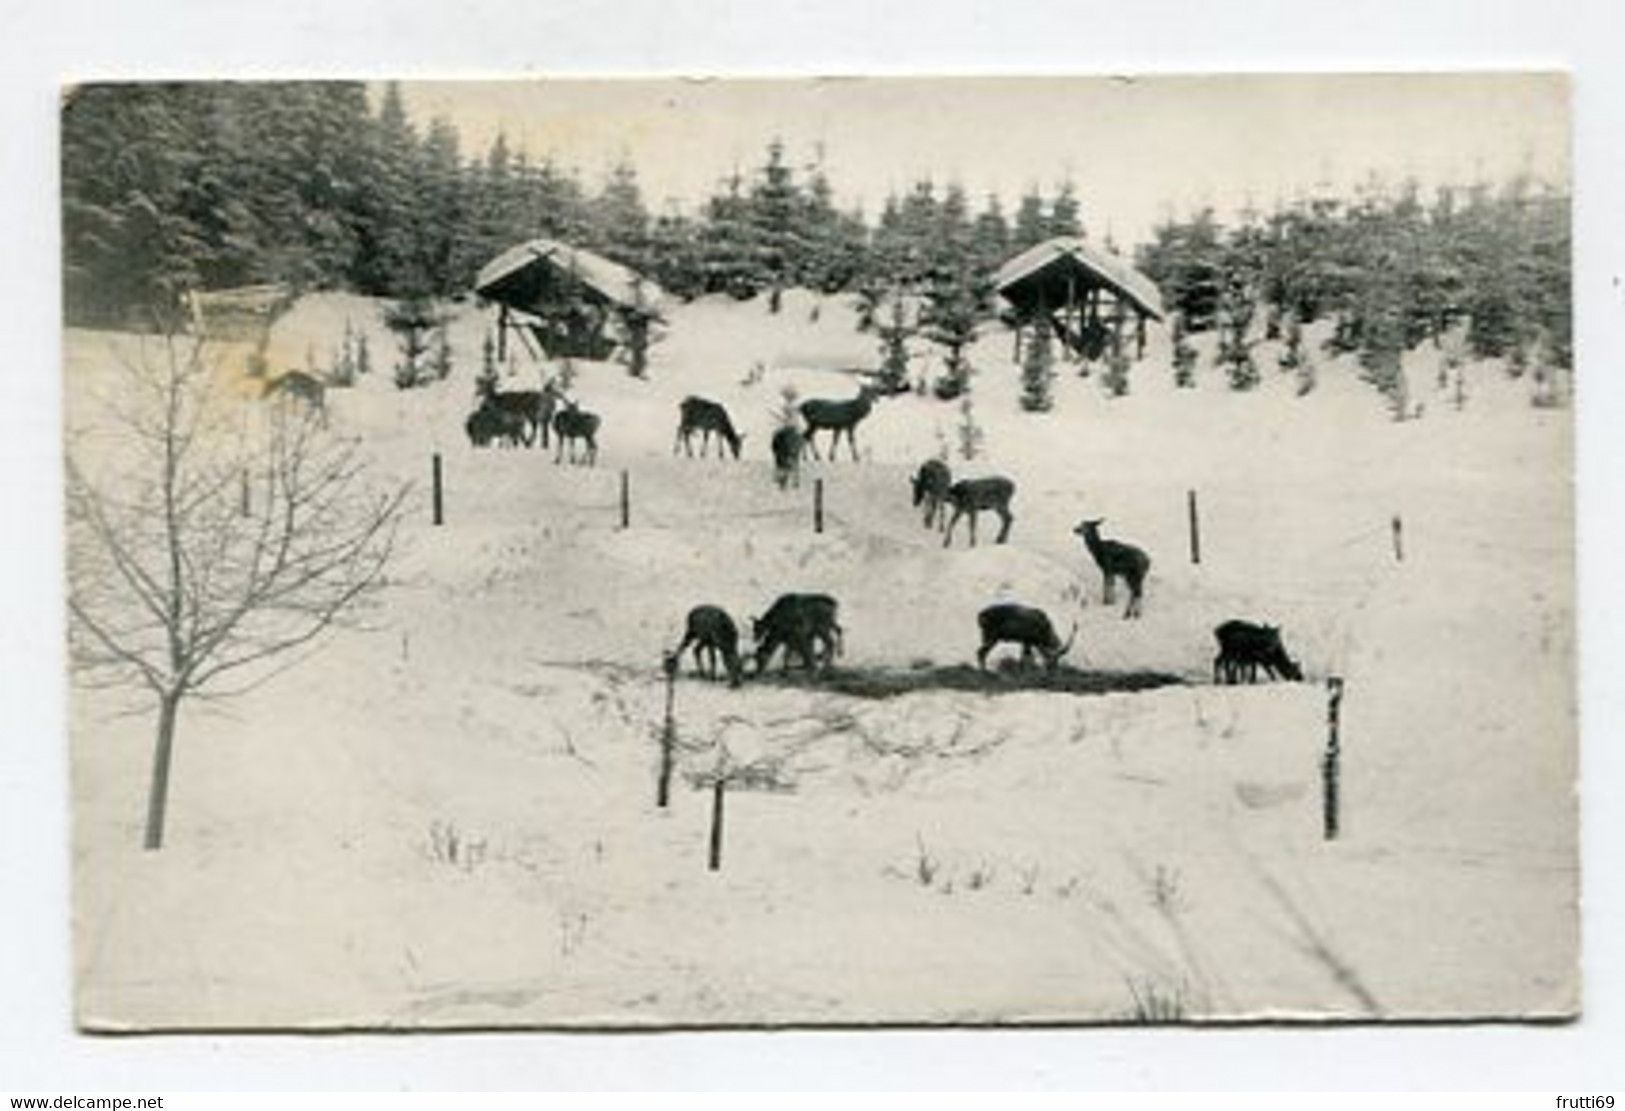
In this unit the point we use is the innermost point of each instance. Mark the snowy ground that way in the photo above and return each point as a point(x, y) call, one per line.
point(449, 819)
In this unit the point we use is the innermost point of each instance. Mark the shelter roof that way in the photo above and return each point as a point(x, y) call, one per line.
point(540, 272)
point(1039, 275)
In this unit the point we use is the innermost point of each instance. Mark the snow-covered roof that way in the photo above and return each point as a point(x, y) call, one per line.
point(536, 272)
point(1032, 275)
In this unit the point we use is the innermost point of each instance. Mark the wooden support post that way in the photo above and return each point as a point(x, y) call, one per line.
point(818, 502)
point(718, 789)
point(626, 500)
point(1139, 336)
point(1399, 539)
point(668, 732)
point(1331, 763)
point(439, 495)
point(502, 334)
point(1195, 526)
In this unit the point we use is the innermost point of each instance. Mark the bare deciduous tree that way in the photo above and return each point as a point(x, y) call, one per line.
point(201, 551)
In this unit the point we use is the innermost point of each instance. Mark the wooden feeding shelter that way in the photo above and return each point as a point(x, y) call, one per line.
point(1087, 295)
point(564, 302)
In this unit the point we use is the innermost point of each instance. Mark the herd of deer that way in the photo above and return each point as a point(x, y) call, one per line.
point(523, 418)
point(805, 627)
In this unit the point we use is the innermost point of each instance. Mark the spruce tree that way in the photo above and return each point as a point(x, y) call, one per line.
point(772, 211)
point(1030, 226)
point(1038, 370)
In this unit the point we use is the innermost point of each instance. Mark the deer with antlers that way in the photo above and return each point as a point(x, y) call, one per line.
point(838, 417)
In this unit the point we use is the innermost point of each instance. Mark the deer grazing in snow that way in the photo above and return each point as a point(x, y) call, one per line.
point(970, 496)
point(1116, 560)
point(803, 624)
point(931, 483)
point(696, 414)
point(788, 447)
point(1007, 622)
point(1245, 647)
point(838, 417)
point(712, 633)
point(572, 423)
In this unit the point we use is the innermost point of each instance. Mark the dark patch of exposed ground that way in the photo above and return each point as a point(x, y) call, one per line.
point(879, 682)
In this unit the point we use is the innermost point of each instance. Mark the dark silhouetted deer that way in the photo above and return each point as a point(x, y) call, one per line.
point(1008, 623)
point(970, 496)
point(489, 424)
point(838, 417)
point(805, 625)
point(572, 423)
point(712, 633)
point(931, 483)
point(696, 414)
point(534, 407)
point(1116, 560)
point(1245, 647)
point(789, 445)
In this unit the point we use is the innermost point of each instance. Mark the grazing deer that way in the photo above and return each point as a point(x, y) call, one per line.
point(1007, 622)
point(838, 417)
point(803, 624)
point(1116, 560)
point(788, 447)
point(931, 484)
point(970, 496)
point(571, 424)
point(303, 387)
point(712, 633)
point(1245, 647)
point(705, 417)
point(534, 407)
point(488, 424)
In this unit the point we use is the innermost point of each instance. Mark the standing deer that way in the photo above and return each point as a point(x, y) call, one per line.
point(534, 407)
point(1116, 560)
point(1007, 622)
point(931, 484)
point(712, 633)
point(699, 415)
point(571, 424)
point(970, 496)
point(489, 424)
point(838, 417)
point(788, 447)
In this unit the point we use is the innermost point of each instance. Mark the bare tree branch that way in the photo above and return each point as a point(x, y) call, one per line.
point(176, 582)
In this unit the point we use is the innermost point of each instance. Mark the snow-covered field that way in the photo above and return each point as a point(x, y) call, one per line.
point(449, 818)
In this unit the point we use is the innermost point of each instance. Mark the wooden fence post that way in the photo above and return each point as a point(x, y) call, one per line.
point(818, 505)
point(1399, 539)
point(718, 789)
point(439, 497)
point(1196, 528)
point(1330, 766)
point(668, 732)
point(626, 500)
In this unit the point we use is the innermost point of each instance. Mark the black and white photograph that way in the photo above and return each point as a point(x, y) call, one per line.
point(661, 553)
